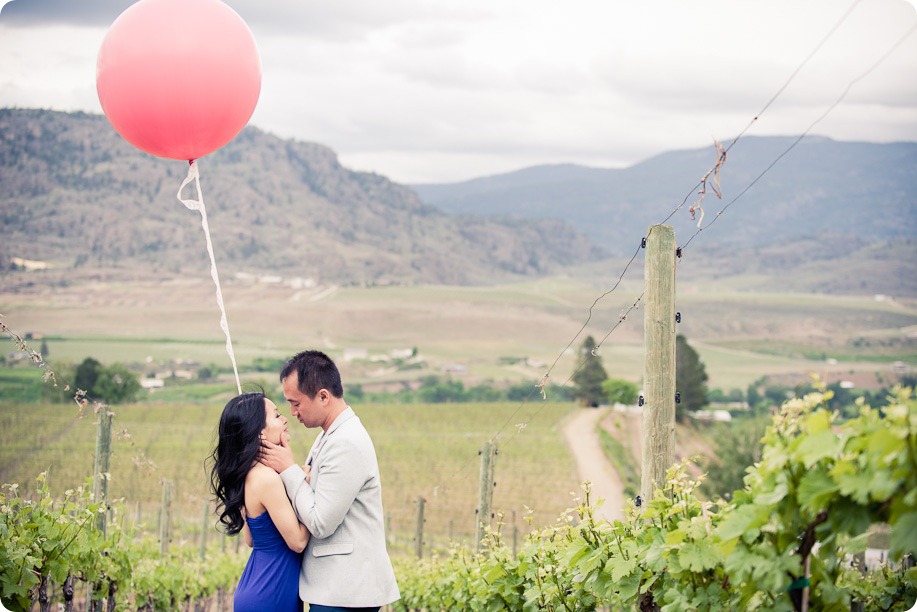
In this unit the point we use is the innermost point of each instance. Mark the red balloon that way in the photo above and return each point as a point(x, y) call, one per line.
point(178, 78)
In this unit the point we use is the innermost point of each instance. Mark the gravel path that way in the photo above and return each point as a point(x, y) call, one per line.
point(592, 466)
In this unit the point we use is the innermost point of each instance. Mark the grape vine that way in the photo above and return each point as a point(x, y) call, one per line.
point(788, 539)
point(58, 541)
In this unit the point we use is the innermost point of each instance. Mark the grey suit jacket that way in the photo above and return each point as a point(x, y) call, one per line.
point(345, 563)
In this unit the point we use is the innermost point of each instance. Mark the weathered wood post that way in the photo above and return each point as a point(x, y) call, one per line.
point(205, 525)
point(100, 475)
point(515, 535)
point(859, 562)
point(102, 466)
point(485, 493)
point(165, 521)
point(659, 359)
point(418, 534)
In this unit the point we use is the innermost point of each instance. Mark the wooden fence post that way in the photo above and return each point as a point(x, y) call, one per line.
point(204, 528)
point(418, 534)
point(165, 521)
point(515, 535)
point(659, 360)
point(100, 473)
point(859, 562)
point(485, 493)
point(102, 466)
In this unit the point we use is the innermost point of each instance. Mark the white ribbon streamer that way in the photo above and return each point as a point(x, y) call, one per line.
point(198, 204)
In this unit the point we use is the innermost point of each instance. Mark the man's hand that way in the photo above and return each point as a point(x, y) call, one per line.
point(278, 457)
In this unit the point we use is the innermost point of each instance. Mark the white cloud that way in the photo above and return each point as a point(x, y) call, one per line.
point(437, 90)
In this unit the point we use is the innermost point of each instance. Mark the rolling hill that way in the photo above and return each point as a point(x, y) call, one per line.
point(828, 217)
point(77, 196)
point(865, 192)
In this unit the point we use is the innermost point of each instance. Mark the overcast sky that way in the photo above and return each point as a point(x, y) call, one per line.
point(446, 90)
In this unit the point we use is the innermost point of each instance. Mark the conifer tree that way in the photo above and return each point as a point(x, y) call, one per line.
point(690, 379)
point(590, 376)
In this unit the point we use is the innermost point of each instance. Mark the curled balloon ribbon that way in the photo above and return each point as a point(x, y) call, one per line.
point(198, 204)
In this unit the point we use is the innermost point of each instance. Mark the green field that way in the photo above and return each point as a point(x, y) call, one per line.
point(741, 336)
point(424, 450)
point(496, 335)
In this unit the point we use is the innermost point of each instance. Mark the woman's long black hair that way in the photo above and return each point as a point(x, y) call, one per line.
point(238, 445)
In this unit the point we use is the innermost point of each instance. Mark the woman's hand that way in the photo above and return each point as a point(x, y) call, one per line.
point(278, 457)
point(308, 470)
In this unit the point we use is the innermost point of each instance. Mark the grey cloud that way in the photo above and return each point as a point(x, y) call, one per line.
point(338, 20)
point(54, 12)
point(345, 20)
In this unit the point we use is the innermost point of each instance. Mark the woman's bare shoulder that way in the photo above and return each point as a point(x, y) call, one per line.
point(261, 475)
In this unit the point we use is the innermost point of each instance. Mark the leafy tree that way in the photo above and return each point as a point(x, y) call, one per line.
point(484, 393)
point(754, 395)
point(590, 376)
point(520, 392)
point(690, 379)
point(113, 384)
point(87, 373)
point(775, 395)
point(116, 385)
point(720, 396)
point(619, 391)
point(736, 446)
point(527, 391)
point(355, 392)
point(267, 364)
point(435, 391)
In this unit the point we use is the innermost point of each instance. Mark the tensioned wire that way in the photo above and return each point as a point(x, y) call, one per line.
point(701, 185)
point(700, 189)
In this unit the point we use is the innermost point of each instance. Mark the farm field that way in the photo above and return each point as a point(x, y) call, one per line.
point(504, 334)
point(500, 334)
point(428, 451)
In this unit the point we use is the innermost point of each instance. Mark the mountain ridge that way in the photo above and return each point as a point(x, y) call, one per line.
point(814, 181)
point(76, 194)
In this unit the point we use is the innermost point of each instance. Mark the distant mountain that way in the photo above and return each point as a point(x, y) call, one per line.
point(74, 194)
point(861, 191)
point(829, 216)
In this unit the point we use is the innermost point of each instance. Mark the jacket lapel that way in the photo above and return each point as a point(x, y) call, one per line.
point(323, 437)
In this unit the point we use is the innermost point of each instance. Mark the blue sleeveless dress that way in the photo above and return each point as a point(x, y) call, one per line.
point(270, 580)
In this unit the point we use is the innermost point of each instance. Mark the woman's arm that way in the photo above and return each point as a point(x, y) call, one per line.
point(273, 495)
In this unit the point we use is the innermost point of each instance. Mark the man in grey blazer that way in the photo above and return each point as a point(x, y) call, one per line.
point(337, 494)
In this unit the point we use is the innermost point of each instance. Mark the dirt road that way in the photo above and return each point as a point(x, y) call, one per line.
point(580, 434)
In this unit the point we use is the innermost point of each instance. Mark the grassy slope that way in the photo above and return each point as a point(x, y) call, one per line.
point(423, 450)
point(740, 336)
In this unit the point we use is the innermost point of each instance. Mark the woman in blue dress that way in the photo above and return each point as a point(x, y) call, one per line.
point(252, 500)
